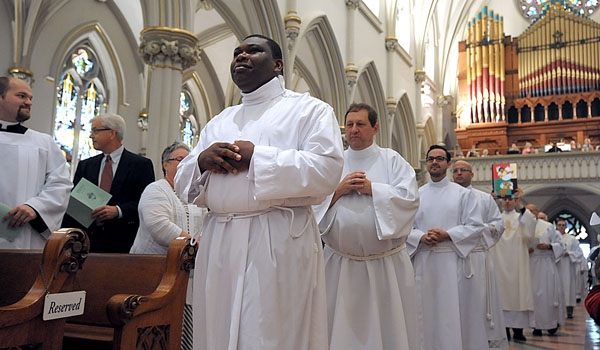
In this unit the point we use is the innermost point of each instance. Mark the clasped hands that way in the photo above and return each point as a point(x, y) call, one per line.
point(435, 236)
point(355, 181)
point(225, 157)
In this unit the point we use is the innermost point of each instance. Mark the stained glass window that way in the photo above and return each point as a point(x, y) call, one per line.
point(187, 119)
point(79, 98)
point(533, 8)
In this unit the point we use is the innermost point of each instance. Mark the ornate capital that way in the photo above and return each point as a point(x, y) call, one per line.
point(420, 76)
point(292, 27)
point(391, 43)
point(169, 47)
point(205, 4)
point(352, 4)
point(22, 73)
point(351, 75)
point(390, 105)
point(142, 121)
point(443, 100)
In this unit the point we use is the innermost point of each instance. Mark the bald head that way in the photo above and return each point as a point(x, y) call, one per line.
point(462, 173)
point(542, 216)
point(533, 209)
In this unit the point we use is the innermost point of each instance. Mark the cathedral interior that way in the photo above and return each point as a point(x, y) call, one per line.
point(478, 75)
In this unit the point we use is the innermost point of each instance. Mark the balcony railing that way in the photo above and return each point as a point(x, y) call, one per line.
point(582, 168)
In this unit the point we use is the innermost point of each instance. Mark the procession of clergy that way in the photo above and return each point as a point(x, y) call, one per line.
point(435, 267)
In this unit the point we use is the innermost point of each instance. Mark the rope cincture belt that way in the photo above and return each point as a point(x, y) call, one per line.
point(226, 217)
point(370, 257)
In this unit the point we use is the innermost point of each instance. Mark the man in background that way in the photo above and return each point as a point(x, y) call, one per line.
point(121, 173)
point(35, 191)
point(462, 173)
point(511, 258)
point(448, 261)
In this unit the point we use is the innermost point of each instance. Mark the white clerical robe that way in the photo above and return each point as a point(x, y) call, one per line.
point(511, 258)
point(569, 267)
point(494, 228)
point(38, 177)
point(548, 296)
point(449, 274)
point(259, 280)
point(371, 296)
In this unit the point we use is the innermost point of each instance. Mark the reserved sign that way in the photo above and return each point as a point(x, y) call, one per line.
point(62, 305)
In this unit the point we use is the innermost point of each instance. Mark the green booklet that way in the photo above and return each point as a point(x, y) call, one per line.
point(86, 197)
point(5, 232)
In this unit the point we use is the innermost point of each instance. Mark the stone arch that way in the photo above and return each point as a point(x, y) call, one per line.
point(318, 51)
point(404, 131)
point(369, 90)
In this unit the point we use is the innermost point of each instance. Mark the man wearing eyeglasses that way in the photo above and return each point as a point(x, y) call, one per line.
point(35, 191)
point(462, 173)
point(124, 175)
point(446, 233)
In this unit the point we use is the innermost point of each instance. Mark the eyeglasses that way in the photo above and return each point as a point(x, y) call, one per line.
point(96, 131)
point(462, 170)
point(179, 159)
point(438, 158)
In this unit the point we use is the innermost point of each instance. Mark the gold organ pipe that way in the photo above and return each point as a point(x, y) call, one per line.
point(502, 69)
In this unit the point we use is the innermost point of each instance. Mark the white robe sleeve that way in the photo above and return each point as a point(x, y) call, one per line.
point(314, 170)
point(466, 236)
point(396, 204)
point(52, 200)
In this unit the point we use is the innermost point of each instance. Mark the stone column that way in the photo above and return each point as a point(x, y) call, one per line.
point(168, 52)
point(351, 68)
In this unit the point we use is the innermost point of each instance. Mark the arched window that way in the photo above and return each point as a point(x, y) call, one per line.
point(403, 25)
point(80, 96)
point(187, 119)
point(532, 9)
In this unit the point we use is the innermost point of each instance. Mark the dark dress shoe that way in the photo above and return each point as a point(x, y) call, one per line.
point(537, 332)
point(553, 330)
point(519, 337)
point(518, 334)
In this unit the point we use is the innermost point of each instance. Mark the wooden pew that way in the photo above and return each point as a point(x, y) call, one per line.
point(132, 301)
point(26, 277)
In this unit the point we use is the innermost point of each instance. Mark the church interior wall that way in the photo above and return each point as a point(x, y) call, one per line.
point(320, 53)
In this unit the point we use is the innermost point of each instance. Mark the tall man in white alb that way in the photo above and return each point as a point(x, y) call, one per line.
point(548, 297)
point(371, 296)
point(462, 173)
point(36, 189)
point(448, 261)
point(569, 266)
point(259, 167)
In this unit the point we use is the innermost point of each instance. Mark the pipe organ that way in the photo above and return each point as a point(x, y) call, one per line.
point(539, 87)
point(559, 54)
point(485, 69)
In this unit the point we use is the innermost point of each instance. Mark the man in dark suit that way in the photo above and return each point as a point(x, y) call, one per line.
point(124, 175)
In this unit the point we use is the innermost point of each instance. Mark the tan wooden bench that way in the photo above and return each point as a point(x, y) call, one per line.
point(132, 301)
point(25, 278)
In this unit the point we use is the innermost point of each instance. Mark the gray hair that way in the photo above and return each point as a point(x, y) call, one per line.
point(112, 121)
point(166, 154)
